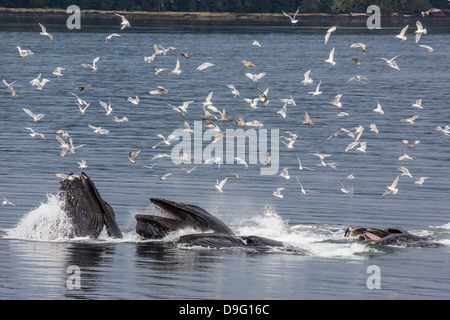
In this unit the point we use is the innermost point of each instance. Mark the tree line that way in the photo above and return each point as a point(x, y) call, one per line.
point(236, 6)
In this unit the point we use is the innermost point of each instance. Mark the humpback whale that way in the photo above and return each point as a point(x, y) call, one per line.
point(212, 232)
point(389, 236)
point(89, 213)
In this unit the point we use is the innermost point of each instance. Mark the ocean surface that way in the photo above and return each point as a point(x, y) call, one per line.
point(38, 261)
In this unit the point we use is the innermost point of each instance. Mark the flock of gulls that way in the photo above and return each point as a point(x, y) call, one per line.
point(214, 116)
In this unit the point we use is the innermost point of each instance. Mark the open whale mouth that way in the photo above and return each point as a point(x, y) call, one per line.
point(190, 214)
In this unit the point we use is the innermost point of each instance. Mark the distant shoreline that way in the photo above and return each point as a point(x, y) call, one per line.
point(208, 16)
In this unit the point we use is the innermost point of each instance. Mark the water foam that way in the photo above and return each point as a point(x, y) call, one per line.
point(46, 222)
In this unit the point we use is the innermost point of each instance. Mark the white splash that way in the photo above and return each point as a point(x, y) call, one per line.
point(46, 222)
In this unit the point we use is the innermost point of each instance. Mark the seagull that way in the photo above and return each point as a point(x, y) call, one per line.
point(159, 70)
point(405, 172)
point(164, 177)
point(93, 66)
point(307, 79)
point(82, 164)
point(373, 127)
point(328, 34)
point(265, 99)
point(10, 87)
point(36, 117)
point(189, 171)
point(63, 145)
point(188, 128)
point(432, 10)
point(134, 101)
point(125, 23)
point(302, 190)
point(24, 52)
point(331, 57)
point(237, 176)
point(69, 177)
point(83, 110)
point(391, 63)
point(429, 49)
point(158, 90)
point(255, 77)
point(234, 91)
point(362, 147)
point(410, 143)
point(420, 181)
point(378, 109)
point(336, 101)
point(418, 104)
point(308, 120)
point(216, 160)
point(44, 32)
point(361, 45)
point(184, 106)
point(282, 112)
point(356, 60)
point(34, 133)
point(285, 173)
point(293, 20)
point(410, 120)
point(277, 193)
point(256, 43)
point(350, 177)
point(345, 191)
point(98, 129)
point(57, 72)
point(253, 102)
point(392, 188)
point(352, 145)
point(81, 88)
point(357, 78)
point(289, 101)
point(166, 141)
point(107, 107)
point(219, 185)
point(241, 161)
point(401, 35)
point(300, 167)
point(6, 201)
point(177, 69)
point(111, 36)
point(405, 156)
point(317, 91)
point(205, 65)
point(248, 63)
point(420, 30)
point(133, 154)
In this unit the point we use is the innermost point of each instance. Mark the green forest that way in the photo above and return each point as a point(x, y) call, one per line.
point(237, 6)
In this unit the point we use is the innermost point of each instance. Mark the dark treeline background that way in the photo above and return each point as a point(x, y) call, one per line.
point(236, 6)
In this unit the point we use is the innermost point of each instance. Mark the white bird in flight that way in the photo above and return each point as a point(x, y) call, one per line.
point(255, 77)
point(93, 66)
point(125, 23)
point(36, 117)
point(317, 91)
point(331, 57)
point(109, 37)
point(401, 35)
point(391, 63)
point(420, 31)
point(24, 52)
point(307, 79)
point(34, 133)
point(293, 19)
point(176, 70)
point(221, 184)
point(329, 31)
point(44, 32)
point(205, 65)
point(393, 187)
point(378, 109)
point(277, 193)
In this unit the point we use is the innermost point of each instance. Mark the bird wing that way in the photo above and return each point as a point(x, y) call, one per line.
point(42, 28)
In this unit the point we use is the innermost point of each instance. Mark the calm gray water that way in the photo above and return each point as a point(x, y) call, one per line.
point(34, 265)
